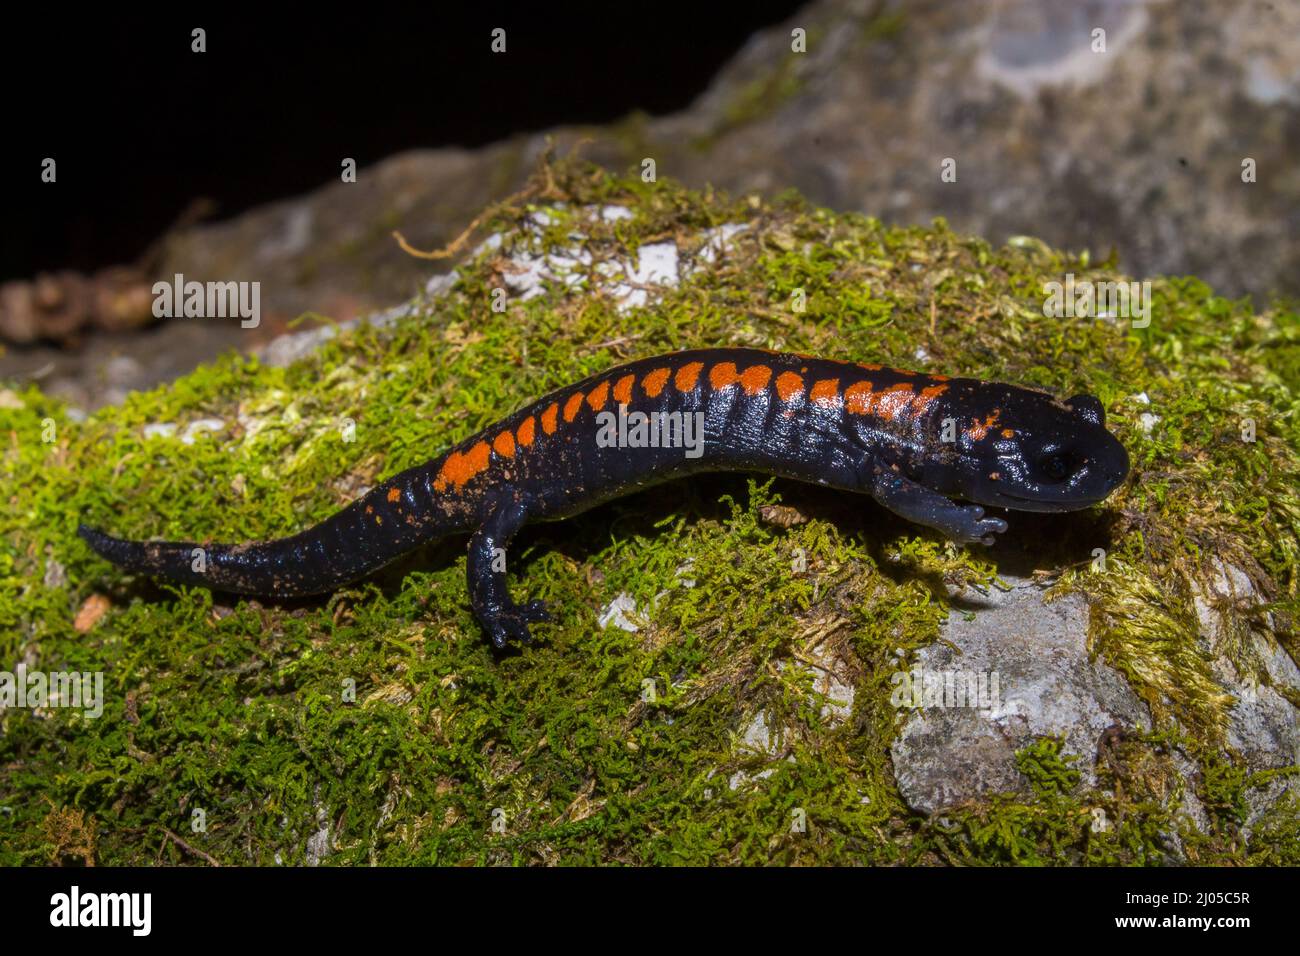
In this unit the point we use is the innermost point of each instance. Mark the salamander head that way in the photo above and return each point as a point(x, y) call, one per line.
point(1031, 452)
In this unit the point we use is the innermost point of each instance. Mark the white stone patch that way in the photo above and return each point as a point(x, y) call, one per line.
point(839, 696)
point(440, 285)
point(526, 275)
point(159, 430)
point(199, 426)
point(318, 844)
point(756, 737)
point(838, 705)
point(1147, 421)
point(718, 238)
point(740, 777)
point(284, 350)
point(490, 244)
point(656, 265)
point(617, 613)
point(55, 574)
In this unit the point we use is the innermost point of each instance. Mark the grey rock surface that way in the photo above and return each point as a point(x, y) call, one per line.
point(1048, 686)
point(1263, 725)
point(1045, 686)
point(1137, 149)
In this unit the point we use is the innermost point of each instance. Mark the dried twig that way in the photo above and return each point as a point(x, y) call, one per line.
point(545, 190)
point(185, 846)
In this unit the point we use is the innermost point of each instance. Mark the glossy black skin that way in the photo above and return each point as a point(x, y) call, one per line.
point(1039, 454)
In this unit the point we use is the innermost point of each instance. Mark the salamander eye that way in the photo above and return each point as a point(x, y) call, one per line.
point(1055, 467)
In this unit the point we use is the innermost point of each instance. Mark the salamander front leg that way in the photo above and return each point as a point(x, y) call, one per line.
point(965, 524)
point(500, 616)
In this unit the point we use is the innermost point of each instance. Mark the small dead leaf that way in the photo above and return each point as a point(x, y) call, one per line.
point(783, 516)
point(95, 607)
point(394, 693)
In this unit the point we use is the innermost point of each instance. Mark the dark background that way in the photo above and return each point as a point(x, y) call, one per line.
point(140, 127)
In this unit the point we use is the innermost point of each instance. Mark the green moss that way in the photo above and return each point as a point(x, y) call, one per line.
point(380, 715)
point(1140, 626)
point(1048, 771)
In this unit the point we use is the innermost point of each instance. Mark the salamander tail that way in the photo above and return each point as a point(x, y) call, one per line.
point(254, 569)
point(361, 538)
point(169, 560)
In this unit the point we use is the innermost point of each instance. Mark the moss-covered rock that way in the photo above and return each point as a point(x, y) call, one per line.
point(737, 706)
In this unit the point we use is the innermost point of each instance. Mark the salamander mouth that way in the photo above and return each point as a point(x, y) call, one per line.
point(1073, 503)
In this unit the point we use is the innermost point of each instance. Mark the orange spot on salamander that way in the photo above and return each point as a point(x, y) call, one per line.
point(526, 431)
point(755, 378)
point(393, 495)
point(788, 385)
point(893, 402)
point(723, 375)
point(927, 396)
point(548, 418)
point(623, 389)
point(826, 391)
point(478, 457)
point(688, 375)
point(598, 396)
point(980, 429)
point(460, 467)
point(572, 405)
point(654, 381)
point(858, 398)
point(505, 445)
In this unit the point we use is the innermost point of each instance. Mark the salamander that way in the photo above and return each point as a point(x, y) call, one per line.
point(912, 441)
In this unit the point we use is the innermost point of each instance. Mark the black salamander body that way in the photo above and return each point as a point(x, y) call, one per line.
point(912, 441)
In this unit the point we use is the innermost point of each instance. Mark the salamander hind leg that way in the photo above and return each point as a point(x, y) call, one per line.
point(965, 524)
point(500, 616)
